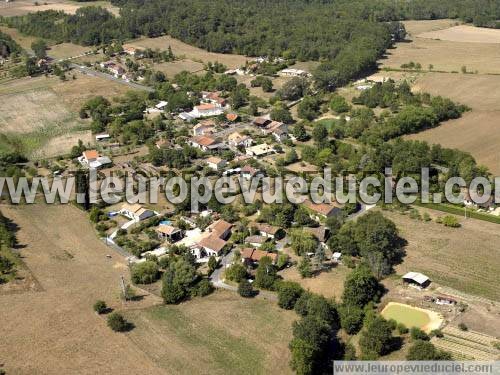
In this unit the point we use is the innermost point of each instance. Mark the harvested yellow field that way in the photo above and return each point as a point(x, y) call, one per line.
point(66, 50)
point(446, 55)
point(478, 131)
point(464, 33)
point(55, 331)
point(414, 28)
point(19, 8)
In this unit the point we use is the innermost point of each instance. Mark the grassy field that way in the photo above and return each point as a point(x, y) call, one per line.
point(219, 334)
point(189, 52)
point(23, 40)
point(466, 259)
point(175, 67)
point(55, 330)
point(328, 283)
point(39, 115)
point(22, 7)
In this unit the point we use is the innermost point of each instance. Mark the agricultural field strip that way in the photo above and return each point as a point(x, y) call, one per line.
point(463, 349)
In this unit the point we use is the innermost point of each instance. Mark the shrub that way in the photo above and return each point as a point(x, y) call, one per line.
point(288, 294)
point(145, 273)
point(426, 351)
point(418, 334)
point(245, 289)
point(402, 329)
point(436, 333)
point(463, 327)
point(100, 307)
point(450, 221)
point(117, 322)
point(236, 272)
point(203, 288)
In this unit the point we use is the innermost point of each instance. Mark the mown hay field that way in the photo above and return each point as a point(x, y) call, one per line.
point(466, 259)
point(39, 116)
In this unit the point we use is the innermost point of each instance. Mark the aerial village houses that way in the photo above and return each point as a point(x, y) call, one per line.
point(205, 143)
point(205, 127)
point(256, 241)
point(321, 233)
point(92, 160)
point(290, 72)
point(238, 140)
point(169, 233)
point(216, 163)
point(214, 240)
point(278, 129)
point(247, 172)
point(259, 150)
point(136, 212)
point(214, 98)
point(251, 257)
point(261, 122)
point(269, 231)
point(322, 211)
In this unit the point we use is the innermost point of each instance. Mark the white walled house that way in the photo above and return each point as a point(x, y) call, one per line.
point(136, 212)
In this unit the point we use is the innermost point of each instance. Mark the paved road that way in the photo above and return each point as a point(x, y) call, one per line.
point(95, 73)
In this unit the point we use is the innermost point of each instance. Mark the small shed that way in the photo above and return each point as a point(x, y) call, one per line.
point(416, 279)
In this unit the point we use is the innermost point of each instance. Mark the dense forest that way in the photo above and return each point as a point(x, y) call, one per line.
point(347, 36)
point(8, 45)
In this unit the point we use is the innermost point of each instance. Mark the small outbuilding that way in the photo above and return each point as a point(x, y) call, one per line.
point(416, 280)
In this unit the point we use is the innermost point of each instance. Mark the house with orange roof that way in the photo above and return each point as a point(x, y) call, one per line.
point(322, 211)
point(216, 163)
point(221, 228)
point(211, 245)
point(207, 110)
point(92, 160)
point(237, 139)
point(251, 257)
point(205, 143)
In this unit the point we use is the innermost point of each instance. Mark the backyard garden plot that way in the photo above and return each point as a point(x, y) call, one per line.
point(468, 344)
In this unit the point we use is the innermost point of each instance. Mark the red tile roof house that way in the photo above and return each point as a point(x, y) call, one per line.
point(207, 110)
point(205, 143)
point(221, 228)
point(321, 211)
point(267, 230)
point(214, 240)
point(211, 245)
point(214, 98)
point(251, 257)
point(256, 241)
